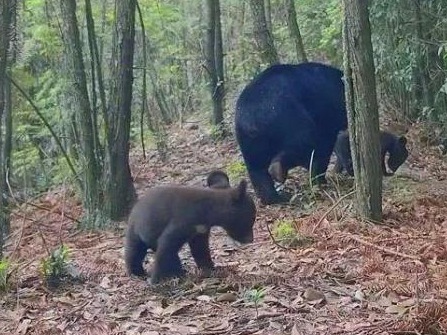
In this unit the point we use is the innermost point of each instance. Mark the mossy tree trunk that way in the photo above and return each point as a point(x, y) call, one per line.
point(120, 192)
point(294, 31)
point(88, 159)
point(263, 36)
point(361, 103)
point(5, 20)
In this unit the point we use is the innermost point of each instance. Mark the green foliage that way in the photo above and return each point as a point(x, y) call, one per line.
point(236, 170)
point(218, 132)
point(285, 232)
point(94, 220)
point(410, 58)
point(4, 274)
point(320, 23)
point(54, 267)
point(256, 296)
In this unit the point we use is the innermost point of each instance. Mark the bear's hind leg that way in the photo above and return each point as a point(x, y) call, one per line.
point(134, 253)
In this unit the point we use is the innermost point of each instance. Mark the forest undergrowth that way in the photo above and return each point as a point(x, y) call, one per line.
point(342, 277)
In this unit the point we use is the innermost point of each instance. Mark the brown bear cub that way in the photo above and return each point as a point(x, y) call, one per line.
point(168, 217)
point(217, 179)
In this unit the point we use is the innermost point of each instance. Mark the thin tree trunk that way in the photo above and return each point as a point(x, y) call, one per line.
point(144, 81)
point(96, 72)
point(120, 191)
point(8, 93)
point(421, 75)
point(214, 58)
point(294, 31)
point(91, 168)
point(268, 14)
point(5, 13)
point(361, 103)
point(263, 36)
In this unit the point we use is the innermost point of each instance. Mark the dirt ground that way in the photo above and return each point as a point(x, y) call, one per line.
point(344, 277)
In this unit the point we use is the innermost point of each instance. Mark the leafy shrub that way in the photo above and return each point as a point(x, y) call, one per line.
point(4, 274)
point(54, 267)
point(236, 170)
point(284, 231)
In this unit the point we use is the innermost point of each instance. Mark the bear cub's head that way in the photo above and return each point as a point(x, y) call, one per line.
point(240, 214)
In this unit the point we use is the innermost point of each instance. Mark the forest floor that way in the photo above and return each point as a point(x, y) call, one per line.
point(343, 277)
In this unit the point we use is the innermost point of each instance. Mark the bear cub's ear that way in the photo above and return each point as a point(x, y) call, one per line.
point(402, 140)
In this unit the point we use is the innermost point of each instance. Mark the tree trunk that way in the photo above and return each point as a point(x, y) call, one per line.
point(421, 77)
point(96, 74)
point(8, 90)
point(5, 19)
point(263, 36)
point(294, 31)
point(120, 192)
point(361, 103)
point(214, 59)
point(268, 14)
point(90, 166)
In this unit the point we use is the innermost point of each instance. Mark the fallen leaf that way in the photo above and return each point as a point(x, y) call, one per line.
point(408, 302)
point(295, 330)
point(205, 298)
point(353, 326)
point(105, 282)
point(396, 309)
point(176, 309)
point(218, 327)
point(23, 326)
point(359, 295)
point(228, 297)
point(311, 294)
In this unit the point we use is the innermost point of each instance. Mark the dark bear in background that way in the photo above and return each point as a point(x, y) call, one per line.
point(217, 179)
point(394, 145)
point(167, 217)
point(282, 116)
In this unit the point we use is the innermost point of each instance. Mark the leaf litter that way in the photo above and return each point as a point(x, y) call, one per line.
point(351, 278)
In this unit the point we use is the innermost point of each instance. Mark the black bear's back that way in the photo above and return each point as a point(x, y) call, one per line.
point(288, 91)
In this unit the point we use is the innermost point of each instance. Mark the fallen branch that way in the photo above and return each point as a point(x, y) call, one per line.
point(331, 209)
point(386, 250)
point(274, 240)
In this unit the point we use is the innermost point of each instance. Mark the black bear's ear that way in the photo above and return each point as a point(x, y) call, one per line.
point(403, 140)
point(240, 191)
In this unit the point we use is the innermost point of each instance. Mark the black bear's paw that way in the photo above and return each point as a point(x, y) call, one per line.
point(159, 276)
point(137, 271)
point(206, 271)
point(279, 198)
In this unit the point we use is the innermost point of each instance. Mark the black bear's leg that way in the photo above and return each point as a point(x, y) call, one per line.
point(134, 253)
point(320, 162)
point(167, 262)
point(338, 168)
point(264, 186)
point(200, 251)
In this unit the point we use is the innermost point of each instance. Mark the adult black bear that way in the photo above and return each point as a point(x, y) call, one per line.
point(217, 179)
point(390, 144)
point(168, 217)
point(282, 116)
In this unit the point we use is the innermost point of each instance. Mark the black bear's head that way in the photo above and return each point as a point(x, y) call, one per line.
point(398, 153)
point(243, 214)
